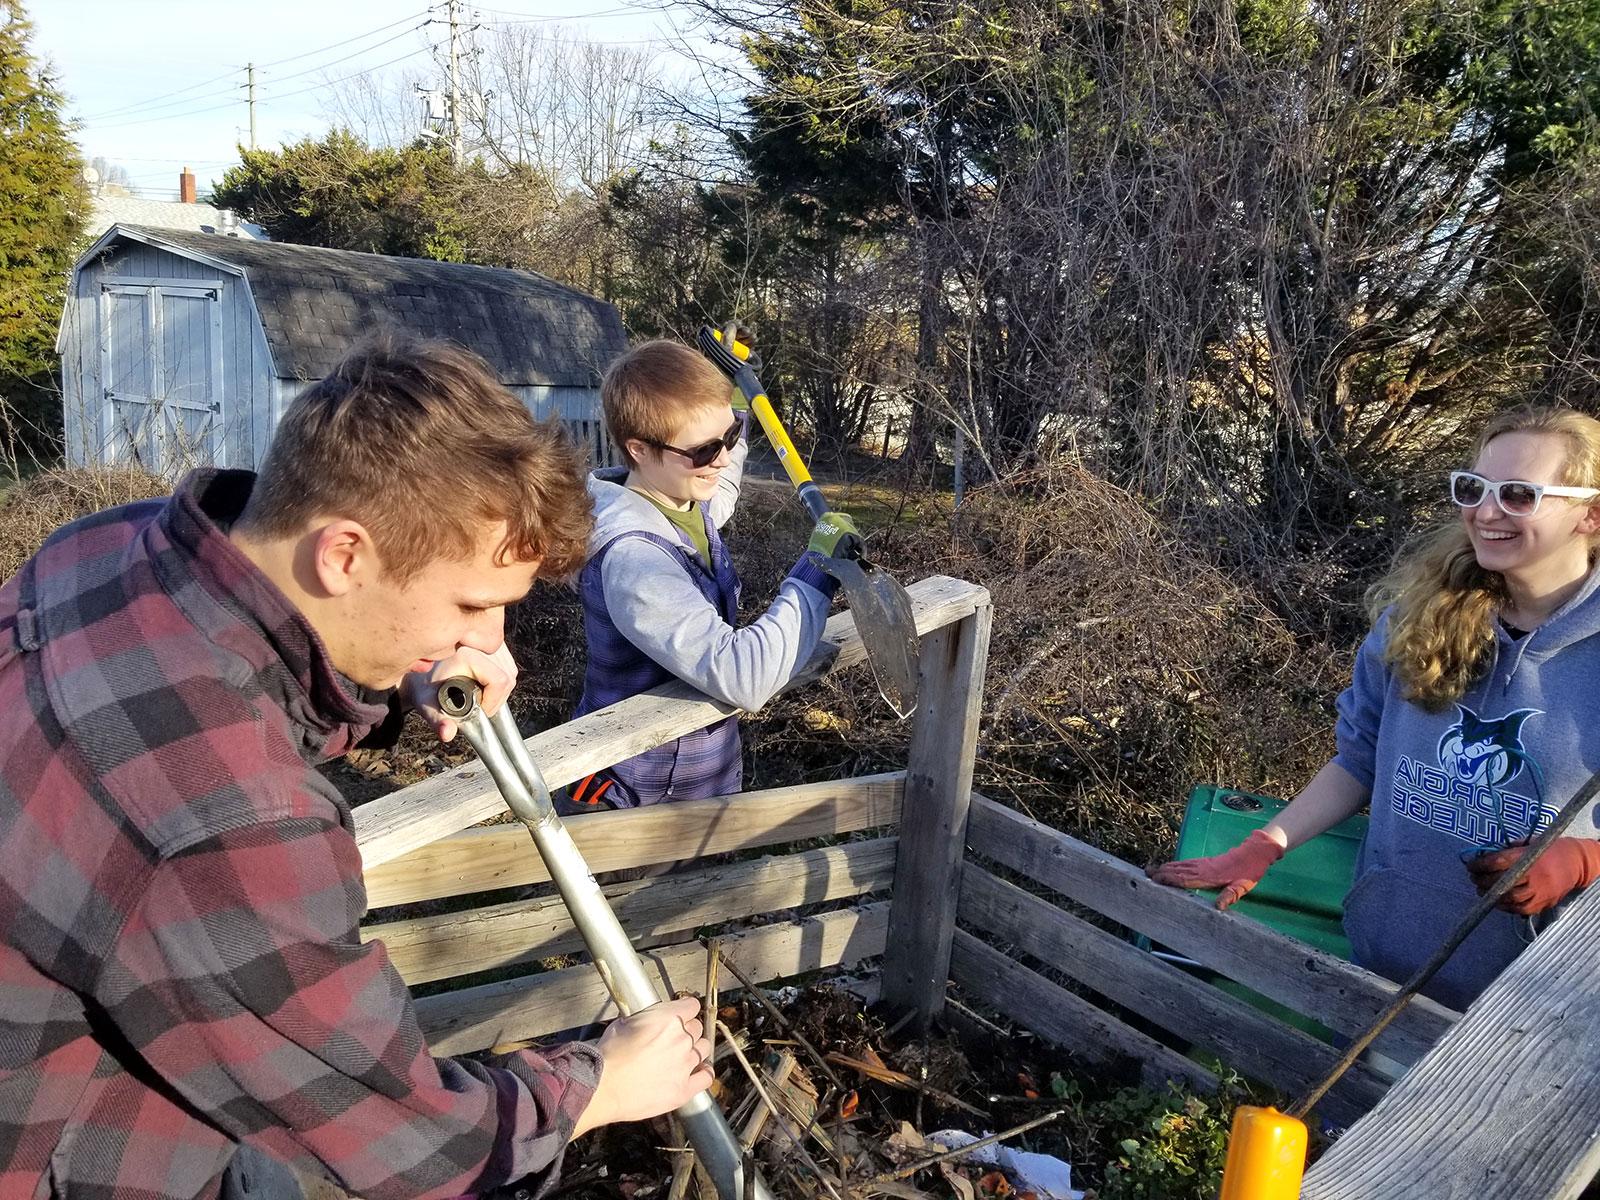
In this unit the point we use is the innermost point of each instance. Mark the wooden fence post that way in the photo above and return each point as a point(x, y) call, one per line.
point(933, 824)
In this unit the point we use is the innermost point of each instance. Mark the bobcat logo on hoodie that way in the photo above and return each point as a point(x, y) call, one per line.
point(1466, 794)
point(1485, 753)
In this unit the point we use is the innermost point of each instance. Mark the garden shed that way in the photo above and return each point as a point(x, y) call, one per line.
point(182, 349)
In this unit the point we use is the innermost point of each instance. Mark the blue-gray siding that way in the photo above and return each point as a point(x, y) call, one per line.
point(251, 395)
point(244, 384)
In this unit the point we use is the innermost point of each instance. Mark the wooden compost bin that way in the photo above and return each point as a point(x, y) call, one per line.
point(967, 891)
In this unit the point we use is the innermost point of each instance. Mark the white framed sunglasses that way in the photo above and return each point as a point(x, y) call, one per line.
point(1516, 497)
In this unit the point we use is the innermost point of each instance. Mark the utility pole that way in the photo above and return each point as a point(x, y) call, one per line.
point(455, 87)
point(250, 76)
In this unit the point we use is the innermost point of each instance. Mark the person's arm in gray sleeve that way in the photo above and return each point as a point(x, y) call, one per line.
point(1361, 708)
point(659, 609)
point(727, 497)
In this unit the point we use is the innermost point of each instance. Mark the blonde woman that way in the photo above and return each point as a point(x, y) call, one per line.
point(1470, 718)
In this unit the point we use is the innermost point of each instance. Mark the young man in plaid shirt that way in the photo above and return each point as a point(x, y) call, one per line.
point(186, 1006)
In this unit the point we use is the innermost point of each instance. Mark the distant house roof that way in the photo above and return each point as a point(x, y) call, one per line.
point(106, 211)
point(315, 304)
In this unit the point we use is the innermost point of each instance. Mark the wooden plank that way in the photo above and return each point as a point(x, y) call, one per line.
point(1507, 1105)
point(391, 825)
point(1240, 1034)
point(500, 856)
point(479, 1017)
point(938, 792)
point(429, 948)
point(1338, 994)
point(1091, 1035)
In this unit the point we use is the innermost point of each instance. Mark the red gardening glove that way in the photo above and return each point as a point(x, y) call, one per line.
point(1569, 865)
point(1235, 872)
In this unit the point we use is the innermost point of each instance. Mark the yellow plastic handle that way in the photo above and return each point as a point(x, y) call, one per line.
point(1266, 1155)
point(740, 350)
point(793, 464)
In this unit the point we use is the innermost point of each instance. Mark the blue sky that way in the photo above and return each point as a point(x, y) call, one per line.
point(158, 84)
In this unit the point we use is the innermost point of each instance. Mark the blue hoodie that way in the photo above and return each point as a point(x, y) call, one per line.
point(1484, 772)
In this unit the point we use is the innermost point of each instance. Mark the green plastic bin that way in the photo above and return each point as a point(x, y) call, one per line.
point(1301, 896)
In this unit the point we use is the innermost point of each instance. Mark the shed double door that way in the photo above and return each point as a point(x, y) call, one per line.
point(161, 365)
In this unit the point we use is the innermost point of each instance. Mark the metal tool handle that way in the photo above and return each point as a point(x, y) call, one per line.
point(499, 744)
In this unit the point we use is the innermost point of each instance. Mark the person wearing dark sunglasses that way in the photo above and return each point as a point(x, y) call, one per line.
point(660, 592)
point(1466, 726)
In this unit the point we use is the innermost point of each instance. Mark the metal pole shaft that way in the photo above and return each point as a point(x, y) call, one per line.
point(455, 89)
point(250, 72)
point(500, 746)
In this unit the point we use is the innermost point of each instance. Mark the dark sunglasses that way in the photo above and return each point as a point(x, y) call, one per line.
point(706, 454)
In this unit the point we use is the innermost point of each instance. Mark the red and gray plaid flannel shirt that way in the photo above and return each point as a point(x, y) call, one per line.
point(180, 967)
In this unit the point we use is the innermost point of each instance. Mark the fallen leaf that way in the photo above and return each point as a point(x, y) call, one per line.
point(959, 1183)
point(994, 1183)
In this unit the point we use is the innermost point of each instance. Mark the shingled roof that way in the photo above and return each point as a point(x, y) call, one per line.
point(316, 303)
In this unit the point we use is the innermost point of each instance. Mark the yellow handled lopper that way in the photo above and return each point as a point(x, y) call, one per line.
point(882, 609)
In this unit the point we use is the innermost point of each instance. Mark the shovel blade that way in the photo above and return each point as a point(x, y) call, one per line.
point(888, 628)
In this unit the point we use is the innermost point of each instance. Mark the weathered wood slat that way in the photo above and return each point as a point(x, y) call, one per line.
point(1341, 996)
point(1239, 1034)
point(1089, 1034)
point(1507, 1106)
point(429, 948)
point(479, 1017)
point(939, 791)
point(389, 826)
point(500, 856)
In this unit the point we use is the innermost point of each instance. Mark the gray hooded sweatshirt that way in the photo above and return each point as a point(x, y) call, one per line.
point(1491, 769)
point(653, 611)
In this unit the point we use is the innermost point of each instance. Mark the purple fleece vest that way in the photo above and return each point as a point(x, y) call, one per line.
point(704, 763)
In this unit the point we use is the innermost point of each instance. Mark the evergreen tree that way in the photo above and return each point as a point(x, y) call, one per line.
point(42, 203)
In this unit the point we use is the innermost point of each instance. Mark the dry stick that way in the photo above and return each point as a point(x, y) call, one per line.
point(682, 1164)
point(709, 1021)
point(908, 1172)
point(835, 1084)
point(982, 1022)
point(782, 1020)
point(1486, 903)
point(778, 1116)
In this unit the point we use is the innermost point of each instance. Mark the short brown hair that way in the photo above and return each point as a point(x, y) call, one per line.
point(650, 390)
point(420, 443)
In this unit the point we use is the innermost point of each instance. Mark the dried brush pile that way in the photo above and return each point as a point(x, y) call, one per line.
point(1123, 667)
point(37, 507)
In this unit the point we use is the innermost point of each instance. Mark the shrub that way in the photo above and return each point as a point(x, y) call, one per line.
point(35, 508)
point(1124, 665)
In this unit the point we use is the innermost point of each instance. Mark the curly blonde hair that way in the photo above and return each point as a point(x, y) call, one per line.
point(1441, 626)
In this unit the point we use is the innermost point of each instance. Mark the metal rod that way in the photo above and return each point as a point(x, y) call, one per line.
point(1485, 905)
point(499, 744)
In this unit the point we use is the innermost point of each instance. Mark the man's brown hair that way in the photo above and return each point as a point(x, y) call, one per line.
point(421, 444)
point(651, 390)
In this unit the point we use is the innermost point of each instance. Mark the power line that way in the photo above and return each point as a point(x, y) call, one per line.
point(118, 159)
point(284, 96)
point(140, 104)
point(150, 108)
point(193, 112)
point(354, 74)
point(153, 103)
point(307, 54)
point(357, 54)
point(533, 19)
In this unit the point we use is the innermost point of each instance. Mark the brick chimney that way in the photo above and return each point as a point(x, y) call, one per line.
point(186, 186)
